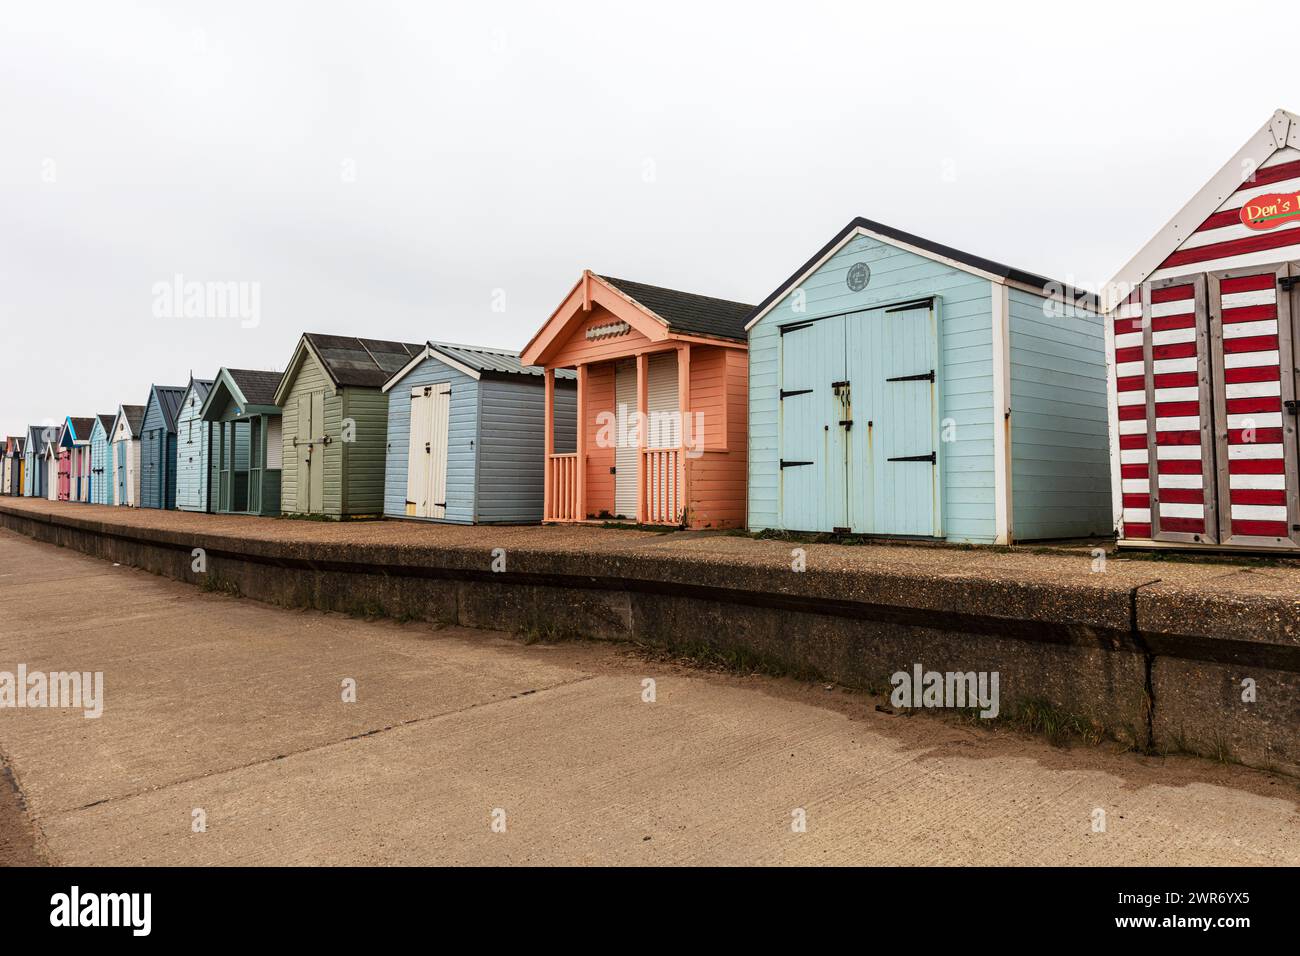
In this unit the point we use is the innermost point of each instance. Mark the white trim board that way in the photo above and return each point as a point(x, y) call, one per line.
point(1280, 132)
point(1001, 417)
point(906, 247)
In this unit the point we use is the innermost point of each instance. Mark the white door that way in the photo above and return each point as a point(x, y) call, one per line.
point(626, 450)
point(426, 471)
point(663, 428)
point(440, 440)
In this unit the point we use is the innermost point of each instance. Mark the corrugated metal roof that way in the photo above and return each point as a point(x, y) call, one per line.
point(169, 401)
point(258, 387)
point(367, 363)
point(201, 387)
point(489, 361)
point(686, 311)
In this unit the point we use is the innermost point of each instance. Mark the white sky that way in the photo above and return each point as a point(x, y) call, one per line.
point(507, 146)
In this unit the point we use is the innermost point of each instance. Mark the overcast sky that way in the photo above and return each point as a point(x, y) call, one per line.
point(392, 170)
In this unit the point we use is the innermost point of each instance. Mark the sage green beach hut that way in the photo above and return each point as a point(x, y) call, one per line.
point(336, 424)
point(243, 442)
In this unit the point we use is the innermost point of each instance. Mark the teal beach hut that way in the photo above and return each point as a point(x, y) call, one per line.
point(904, 388)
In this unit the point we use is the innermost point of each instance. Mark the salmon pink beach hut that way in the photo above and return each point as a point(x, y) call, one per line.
point(661, 407)
point(1202, 330)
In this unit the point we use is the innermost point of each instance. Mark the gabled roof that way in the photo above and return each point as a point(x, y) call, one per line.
point(654, 312)
point(349, 362)
point(1280, 132)
point(13, 445)
point(247, 388)
point(686, 311)
point(52, 437)
point(79, 428)
point(476, 361)
point(35, 436)
point(255, 387)
point(169, 398)
point(201, 387)
point(133, 415)
point(106, 423)
point(968, 262)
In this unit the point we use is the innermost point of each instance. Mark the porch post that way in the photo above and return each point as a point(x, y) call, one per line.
point(581, 447)
point(642, 405)
point(548, 431)
point(683, 410)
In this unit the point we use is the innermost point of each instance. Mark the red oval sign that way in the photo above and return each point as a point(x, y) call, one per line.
point(1270, 210)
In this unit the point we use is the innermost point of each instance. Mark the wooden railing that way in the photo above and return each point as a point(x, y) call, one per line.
point(562, 488)
point(663, 485)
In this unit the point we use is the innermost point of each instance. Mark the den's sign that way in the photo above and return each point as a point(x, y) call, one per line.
point(1271, 210)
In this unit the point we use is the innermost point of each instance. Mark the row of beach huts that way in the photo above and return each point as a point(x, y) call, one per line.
point(890, 385)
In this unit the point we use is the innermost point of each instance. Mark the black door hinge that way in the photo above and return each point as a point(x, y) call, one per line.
point(1287, 283)
point(1292, 406)
point(839, 384)
point(920, 377)
point(793, 464)
point(787, 392)
point(847, 423)
point(932, 458)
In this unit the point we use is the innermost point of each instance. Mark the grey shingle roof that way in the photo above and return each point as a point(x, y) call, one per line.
point(490, 361)
point(687, 312)
point(367, 363)
point(107, 422)
point(258, 386)
point(81, 427)
point(134, 418)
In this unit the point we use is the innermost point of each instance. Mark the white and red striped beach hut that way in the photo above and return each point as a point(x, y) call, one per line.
point(1202, 335)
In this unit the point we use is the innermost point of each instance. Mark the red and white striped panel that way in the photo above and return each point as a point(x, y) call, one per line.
point(1252, 388)
point(1130, 382)
point(1180, 456)
point(1223, 242)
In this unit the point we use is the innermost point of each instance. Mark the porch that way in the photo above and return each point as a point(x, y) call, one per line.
point(661, 384)
point(633, 458)
point(242, 452)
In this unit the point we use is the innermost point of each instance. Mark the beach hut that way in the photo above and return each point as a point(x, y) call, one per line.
point(465, 440)
point(158, 447)
point(192, 448)
point(125, 452)
point(75, 453)
point(245, 450)
point(336, 423)
point(36, 481)
point(13, 466)
point(101, 462)
point(661, 408)
point(1203, 327)
point(900, 387)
